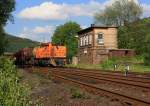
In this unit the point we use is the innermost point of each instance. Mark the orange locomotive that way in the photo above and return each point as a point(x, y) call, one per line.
point(46, 54)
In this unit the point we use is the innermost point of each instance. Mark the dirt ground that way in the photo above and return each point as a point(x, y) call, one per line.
point(50, 93)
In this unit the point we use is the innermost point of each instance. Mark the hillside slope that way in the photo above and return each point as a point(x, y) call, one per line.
point(16, 43)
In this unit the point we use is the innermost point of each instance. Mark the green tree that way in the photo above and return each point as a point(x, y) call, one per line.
point(119, 12)
point(136, 35)
point(2, 40)
point(6, 7)
point(147, 50)
point(66, 35)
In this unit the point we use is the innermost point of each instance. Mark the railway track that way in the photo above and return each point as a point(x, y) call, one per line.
point(112, 75)
point(99, 78)
point(80, 77)
point(133, 74)
point(117, 96)
point(90, 81)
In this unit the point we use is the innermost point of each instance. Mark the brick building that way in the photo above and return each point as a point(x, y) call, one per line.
point(98, 43)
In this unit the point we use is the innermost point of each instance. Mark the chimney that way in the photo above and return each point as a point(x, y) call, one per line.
point(92, 25)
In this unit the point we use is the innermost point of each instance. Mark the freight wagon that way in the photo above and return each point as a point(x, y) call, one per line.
point(44, 55)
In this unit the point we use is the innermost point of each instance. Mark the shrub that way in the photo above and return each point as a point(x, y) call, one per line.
point(76, 93)
point(12, 93)
point(108, 64)
point(147, 59)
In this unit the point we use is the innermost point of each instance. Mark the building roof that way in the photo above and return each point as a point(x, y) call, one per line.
point(95, 26)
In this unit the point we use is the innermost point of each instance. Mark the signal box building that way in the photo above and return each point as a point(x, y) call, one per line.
point(98, 43)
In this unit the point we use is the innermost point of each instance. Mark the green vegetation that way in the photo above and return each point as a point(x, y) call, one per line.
point(107, 65)
point(16, 43)
point(120, 12)
point(2, 40)
point(76, 93)
point(66, 35)
point(6, 7)
point(134, 33)
point(136, 36)
point(136, 65)
point(12, 93)
point(9, 43)
point(85, 66)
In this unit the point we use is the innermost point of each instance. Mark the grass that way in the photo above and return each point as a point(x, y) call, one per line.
point(85, 66)
point(76, 93)
point(141, 68)
point(135, 63)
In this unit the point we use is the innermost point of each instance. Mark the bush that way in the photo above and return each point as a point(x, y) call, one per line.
point(147, 50)
point(76, 93)
point(108, 64)
point(147, 59)
point(12, 93)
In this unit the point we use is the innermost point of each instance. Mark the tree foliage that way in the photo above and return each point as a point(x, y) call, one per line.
point(119, 12)
point(66, 35)
point(136, 36)
point(6, 7)
point(2, 40)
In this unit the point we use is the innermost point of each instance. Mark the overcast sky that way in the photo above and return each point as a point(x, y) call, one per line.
point(37, 19)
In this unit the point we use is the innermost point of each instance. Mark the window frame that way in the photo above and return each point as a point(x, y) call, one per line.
point(100, 40)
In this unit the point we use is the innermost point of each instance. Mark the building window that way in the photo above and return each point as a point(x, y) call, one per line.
point(84, 40)
point(87, 40)
point(90, 39)
point(81, 41)
point(100, 39)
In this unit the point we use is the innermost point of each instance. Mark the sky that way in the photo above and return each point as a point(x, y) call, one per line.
point(37, 19)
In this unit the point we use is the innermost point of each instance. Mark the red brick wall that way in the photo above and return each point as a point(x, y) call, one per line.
point(121, 53)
